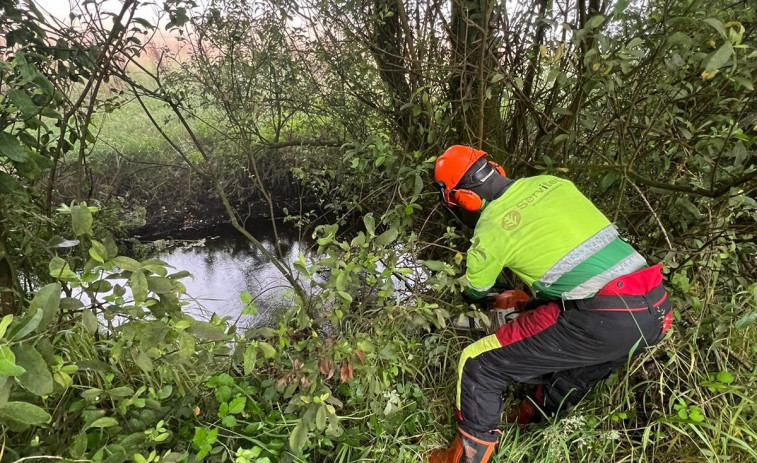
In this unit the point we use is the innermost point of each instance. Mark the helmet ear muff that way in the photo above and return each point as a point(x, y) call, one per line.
point(498, 168)
point(467, 200)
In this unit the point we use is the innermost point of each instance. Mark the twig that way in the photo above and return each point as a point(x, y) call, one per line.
point(644, 198)
point(47, 457)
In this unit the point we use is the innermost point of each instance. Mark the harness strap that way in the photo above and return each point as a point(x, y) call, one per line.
point(653, 298)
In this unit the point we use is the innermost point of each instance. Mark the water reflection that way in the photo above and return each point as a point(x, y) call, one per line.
point(228, 264)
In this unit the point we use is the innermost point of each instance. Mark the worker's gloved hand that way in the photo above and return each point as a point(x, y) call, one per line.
point(473, 295)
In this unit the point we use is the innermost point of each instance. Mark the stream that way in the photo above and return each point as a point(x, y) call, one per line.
point(224, 264)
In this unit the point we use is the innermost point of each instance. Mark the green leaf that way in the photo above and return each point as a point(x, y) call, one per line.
point(207, 332)
point(89, 320)
point(160, 285)
point(387, 237)
point(4, 323)
point(186, 345)
point(725, 377)
point(104, 422)
point(237, 405)
point(320, 418)
point(11, 148)
point(8, 365)
point(139, 288)
point(60, 269)
point(42, 311)
point(746, 320)
point(595, 21)
point(720, 57)
point(434, 265)
point(144, 362)
point(122, 391)
point(250, 309)
point(345, 296)
point(744, 82)
point(560, 138)
point(25, 413)
point(717, 25)
point(27, 324)
point(111, 248)
point(245, 297)
point(78, 446)
point(620, 7)
point(229, 421)
point(250, 359)
point(98, 251)
point(47, 300)
point(268, 350)
point(8, 184)
point(81, 219)
point(157, 269)
point(370, 224)
point(100, 286)
point(126, 263)
point(179, 275)
point(418, 185)
point(696, 415)
point(37, 379)
point(298, 437)
point(61, 243)
point(609, 180)
point(23, 102)
point(690, 207)
point(92, 395)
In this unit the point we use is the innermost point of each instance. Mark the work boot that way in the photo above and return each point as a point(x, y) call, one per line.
point(527, 410)
point(523, 414)
point(464, 449)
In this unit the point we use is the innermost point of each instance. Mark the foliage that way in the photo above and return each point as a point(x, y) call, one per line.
point(342, 107)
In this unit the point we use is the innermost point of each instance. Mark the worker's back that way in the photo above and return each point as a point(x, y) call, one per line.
point(552, 237)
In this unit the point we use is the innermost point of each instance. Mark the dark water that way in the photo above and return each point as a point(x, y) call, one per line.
point(225, 264)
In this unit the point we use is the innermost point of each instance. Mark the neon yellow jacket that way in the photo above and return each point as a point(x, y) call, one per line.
point(552, 237)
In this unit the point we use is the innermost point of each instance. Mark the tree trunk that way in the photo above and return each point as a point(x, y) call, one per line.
point(518, 127)
point(388, 51)
point(476, 101)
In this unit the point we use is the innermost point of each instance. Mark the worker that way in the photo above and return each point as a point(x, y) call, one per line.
point(598, 303)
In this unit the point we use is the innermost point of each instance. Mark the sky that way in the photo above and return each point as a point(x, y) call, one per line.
point(61, 8)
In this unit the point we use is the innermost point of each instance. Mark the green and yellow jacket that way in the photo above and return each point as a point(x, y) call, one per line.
point(552, 237)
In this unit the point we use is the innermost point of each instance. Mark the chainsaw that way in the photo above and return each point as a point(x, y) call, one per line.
point(493, 311)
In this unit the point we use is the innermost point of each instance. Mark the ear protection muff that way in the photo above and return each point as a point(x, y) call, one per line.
point(449, 171)
point(498, 168)
point(467, 200)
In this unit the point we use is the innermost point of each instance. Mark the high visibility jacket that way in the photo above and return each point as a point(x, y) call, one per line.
point(552, 237)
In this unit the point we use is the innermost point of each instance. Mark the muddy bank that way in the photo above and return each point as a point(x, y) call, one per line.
point(177, 222)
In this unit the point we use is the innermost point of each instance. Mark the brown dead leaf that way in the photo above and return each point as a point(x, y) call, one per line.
point(326, 367)
point(305, 381)
point(345, 373)
point(360, 355)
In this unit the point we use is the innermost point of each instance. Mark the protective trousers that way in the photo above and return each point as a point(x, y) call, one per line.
point(566, 346)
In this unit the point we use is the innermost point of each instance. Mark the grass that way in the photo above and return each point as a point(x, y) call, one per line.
point(693, 397)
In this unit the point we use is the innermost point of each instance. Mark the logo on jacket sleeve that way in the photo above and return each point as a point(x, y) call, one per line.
point(511, 220)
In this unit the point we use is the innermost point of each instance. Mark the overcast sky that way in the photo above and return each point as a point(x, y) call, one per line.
point(62, 8)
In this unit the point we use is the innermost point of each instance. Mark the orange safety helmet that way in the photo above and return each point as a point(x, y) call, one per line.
point(451, 167)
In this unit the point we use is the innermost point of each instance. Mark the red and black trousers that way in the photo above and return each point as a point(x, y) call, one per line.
point(565, 346)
